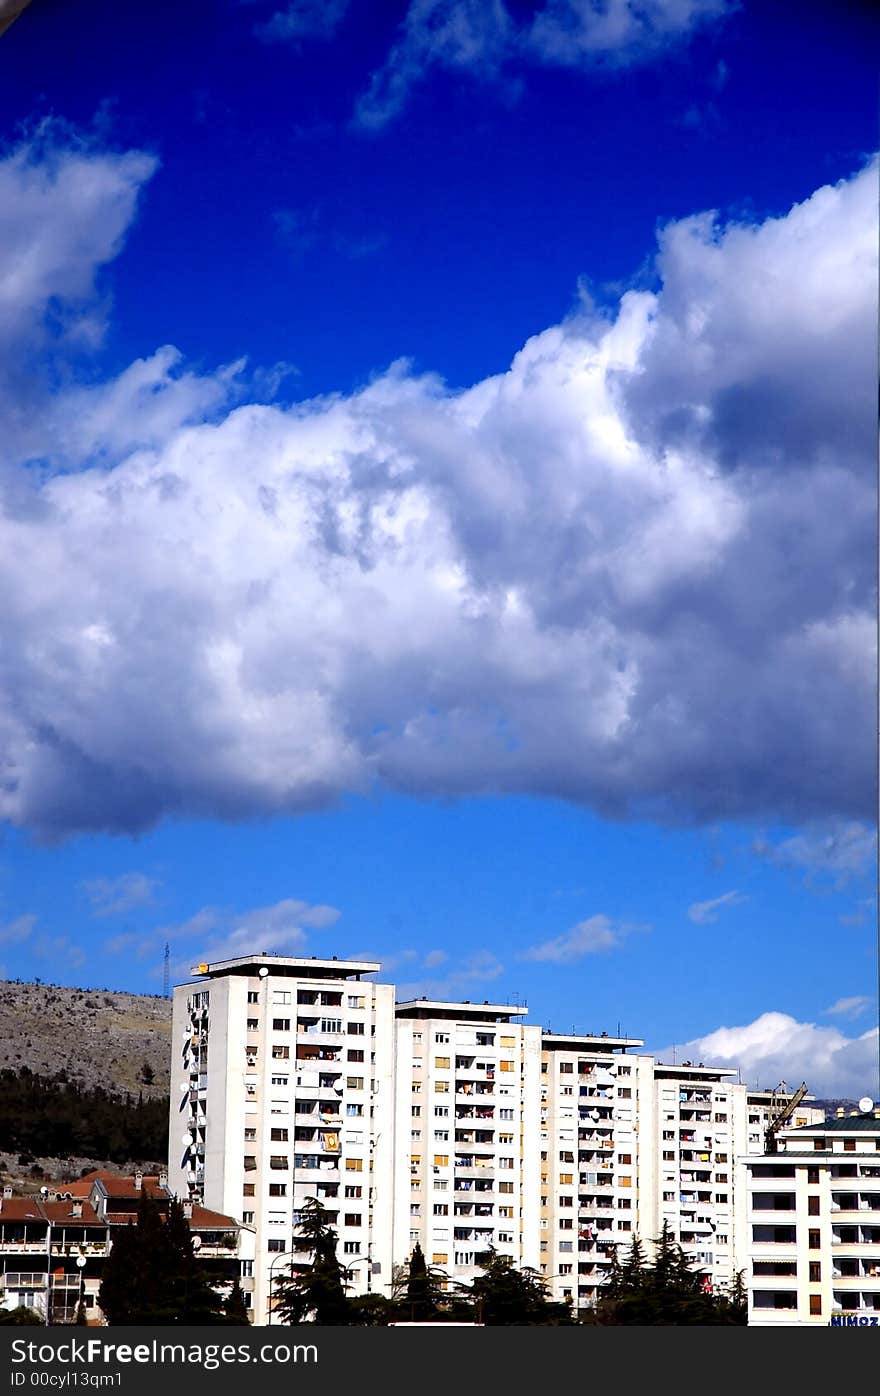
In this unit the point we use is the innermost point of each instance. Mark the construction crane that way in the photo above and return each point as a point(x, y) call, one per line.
point(782, 1107)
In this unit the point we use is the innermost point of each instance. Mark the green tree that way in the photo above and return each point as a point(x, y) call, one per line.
point(315, 1292)
point(152, 1274)
point(665, 1291)
point(424, 1295)
point(505, 1295)
point(21, 1315)
point(234, 1307)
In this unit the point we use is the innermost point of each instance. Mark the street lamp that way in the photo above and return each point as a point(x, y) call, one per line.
point(80, 1265)
point(364, 1260)
point(282, 1255)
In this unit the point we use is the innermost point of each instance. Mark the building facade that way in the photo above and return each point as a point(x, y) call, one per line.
point(467, 1094)
point(456, 1126)
point(281, 1090)
point(813, 1218)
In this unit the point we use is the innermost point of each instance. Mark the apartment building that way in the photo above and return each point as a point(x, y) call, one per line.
point(466, 1172)
point(589, 1145)
point(53, 1247)
point(282, 1090)
point(813, 1217)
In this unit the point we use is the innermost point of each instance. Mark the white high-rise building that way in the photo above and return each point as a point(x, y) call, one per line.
point(813, 1219)
point(589, 1144)
point(282, 1089)
point(454, 1125)
point(466, 1165)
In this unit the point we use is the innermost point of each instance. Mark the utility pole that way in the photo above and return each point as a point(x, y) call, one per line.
point(166, 972)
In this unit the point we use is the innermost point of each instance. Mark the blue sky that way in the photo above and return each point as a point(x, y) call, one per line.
point(438, 505)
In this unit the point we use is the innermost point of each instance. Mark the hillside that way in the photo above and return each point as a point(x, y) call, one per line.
point(100, 1037)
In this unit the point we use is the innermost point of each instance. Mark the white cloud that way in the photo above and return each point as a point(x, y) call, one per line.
point(112, 896)
point(212, 934)
point(852, 1007)
point(58, 948)
point(777, 1047)
point(836, 852)
point(478, 969)
point(591, 937)
point(484, 37)
point(704, 913)
point(300, 20)
point(588, 577)
point(17, 930)
point(435, 958)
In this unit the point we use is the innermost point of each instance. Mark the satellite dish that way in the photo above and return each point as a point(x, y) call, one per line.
point(197, 1241)
point(186, 1138)
point(184, 1088)
point(44, 1192)
point(80, 1260)
point(263, 972)
point(866, 1104)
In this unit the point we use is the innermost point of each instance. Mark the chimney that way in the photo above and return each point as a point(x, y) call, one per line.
point(163, 1179)
point(138, 1179)
point(7, 1190)
point(76, 1209)
point(188, 1210)
point(839, 1112)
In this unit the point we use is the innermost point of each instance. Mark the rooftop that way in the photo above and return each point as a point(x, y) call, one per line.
point(485, 1012)
point(692, 1069)
point(287, 966)
point(588, 1042)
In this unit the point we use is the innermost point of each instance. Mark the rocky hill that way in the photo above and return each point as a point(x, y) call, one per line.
point(99, 1037)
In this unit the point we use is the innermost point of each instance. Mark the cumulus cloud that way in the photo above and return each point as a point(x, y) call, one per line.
point(213, 934)
point(590, 937)
point(483, 37)
point(593, 576)
point(704, 913)
point(852, 1007)
point(777, 1047)
point(113, 896)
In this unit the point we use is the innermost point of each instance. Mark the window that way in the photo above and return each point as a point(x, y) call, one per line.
point(356, 1001)
point(280, 1054)
point(441, 1209)
point(332, 1025)
point(280, 1135)
point(416, 1111)
point(624, 1092)
point(440, 1258)
point(281, 1025)
point(441, 1111)
point(280, 1080)
point(351, 1247)
point(253, 1024)
point(815, 1303)
point(281, 996)
point(276, 1243)
point(815, 1272)
point(625, 1158)
point(814, 1244)
point(441, 1160)
point(354, 1083)
point(352, 1191)
point(353, 1219)
point(441, 1037)
point(505, 1065)
point(355, 1054)
point(354, 1165)
point(355, 1029)
point(813, 1205)
point(277, 1189)
point(441, 1087)
point(442, 1063)
point(812, 1175)
point(505, 1187)
point(253, 996)
point(278, 1161)
point(849, 1146)
point(249, 1190)
point(566, 1177)
point(248, 1218)
point(566, 1068)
